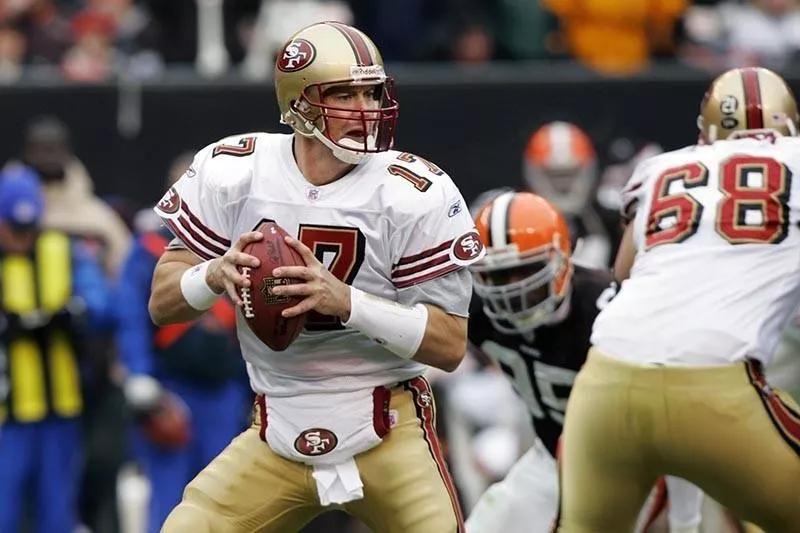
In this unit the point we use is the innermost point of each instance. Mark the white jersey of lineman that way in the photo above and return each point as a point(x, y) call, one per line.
point(391, 223)
point(718, 250)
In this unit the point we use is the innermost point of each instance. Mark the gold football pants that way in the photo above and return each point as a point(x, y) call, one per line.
point(722, 428)
point(407, 488)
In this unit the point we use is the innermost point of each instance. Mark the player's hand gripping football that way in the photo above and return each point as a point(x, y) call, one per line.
point(223, 273)
point(321, 291)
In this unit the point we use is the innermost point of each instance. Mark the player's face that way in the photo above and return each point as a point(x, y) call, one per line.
point(524, 297)
point(344, 123)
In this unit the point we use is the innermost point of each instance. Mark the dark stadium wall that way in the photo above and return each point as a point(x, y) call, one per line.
point(473, 126)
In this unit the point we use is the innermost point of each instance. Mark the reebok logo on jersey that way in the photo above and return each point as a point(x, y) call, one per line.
point(454, 209)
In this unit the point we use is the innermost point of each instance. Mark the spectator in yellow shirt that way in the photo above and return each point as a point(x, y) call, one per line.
point(616, 36)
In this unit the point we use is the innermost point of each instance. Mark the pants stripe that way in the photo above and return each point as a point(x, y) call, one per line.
point(423, 402)
point(261, 412)
point(784, 417)
point(659, 503)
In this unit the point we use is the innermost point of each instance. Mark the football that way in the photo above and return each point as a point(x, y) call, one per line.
point(261, 308)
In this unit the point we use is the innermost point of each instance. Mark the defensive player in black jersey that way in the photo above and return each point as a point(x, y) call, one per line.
point(533, 316)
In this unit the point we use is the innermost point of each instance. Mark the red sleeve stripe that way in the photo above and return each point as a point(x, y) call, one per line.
point(416, 269)
point(222, 241)
point(184, 237)
point(423, 254)
point(408, 282)
point(199, 238)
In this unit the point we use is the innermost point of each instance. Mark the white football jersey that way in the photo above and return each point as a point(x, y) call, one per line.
point(718, 249)
point(391, 223)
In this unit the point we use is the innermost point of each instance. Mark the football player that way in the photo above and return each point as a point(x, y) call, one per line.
point(533, 317)
point(560, 164)
point(674, 380)
point(344, 417)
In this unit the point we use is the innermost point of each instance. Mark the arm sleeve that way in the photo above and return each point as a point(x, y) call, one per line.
point(436, 240)
point(196, 208)
point(134, 329)
point(450, 292)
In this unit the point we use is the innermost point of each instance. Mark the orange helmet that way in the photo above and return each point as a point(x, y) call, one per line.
point(525, 276)
point(560, 164)
point(747, 101)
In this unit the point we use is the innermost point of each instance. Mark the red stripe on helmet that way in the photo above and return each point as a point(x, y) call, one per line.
point(357, 43)
point(752, 99)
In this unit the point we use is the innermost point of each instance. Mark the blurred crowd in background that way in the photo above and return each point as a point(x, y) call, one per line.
point(94, 40)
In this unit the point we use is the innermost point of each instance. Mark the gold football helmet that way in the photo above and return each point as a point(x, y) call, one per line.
point(325, 55)
point(746, 102)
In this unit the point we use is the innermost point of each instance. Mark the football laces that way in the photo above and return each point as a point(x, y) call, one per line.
point(246, 295)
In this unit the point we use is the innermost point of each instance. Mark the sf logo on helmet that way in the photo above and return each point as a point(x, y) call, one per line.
point(315, 441)
point(297, 55)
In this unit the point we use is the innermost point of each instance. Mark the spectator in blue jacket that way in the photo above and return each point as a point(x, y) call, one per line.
point(54, 297)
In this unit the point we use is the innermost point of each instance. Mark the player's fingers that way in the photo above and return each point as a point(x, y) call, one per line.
point(232, 292)
point(241, 259)
point(247, 238)
point(236, 277)
point(304, 251)
point(296, 272)
point(295, 289)
point(307, 304)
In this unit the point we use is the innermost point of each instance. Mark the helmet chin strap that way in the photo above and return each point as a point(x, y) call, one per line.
point(351, 157)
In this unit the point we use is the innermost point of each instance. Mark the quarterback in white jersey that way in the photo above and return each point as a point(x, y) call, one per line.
point(674, 381)
point(343, 416)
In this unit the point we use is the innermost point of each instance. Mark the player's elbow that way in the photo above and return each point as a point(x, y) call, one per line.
point(156, 311)
point(445, 342)
point(157, 305)
point(455, 347)
point(454, 354)
point(445, 354)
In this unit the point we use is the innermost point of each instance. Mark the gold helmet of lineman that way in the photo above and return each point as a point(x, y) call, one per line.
point(746, 102)
point(326, 55)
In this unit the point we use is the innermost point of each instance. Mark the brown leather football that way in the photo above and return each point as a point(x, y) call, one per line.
point(262, 309)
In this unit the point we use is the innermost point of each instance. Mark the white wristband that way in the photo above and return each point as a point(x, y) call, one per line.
point(398, 327)
point(195, 289)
